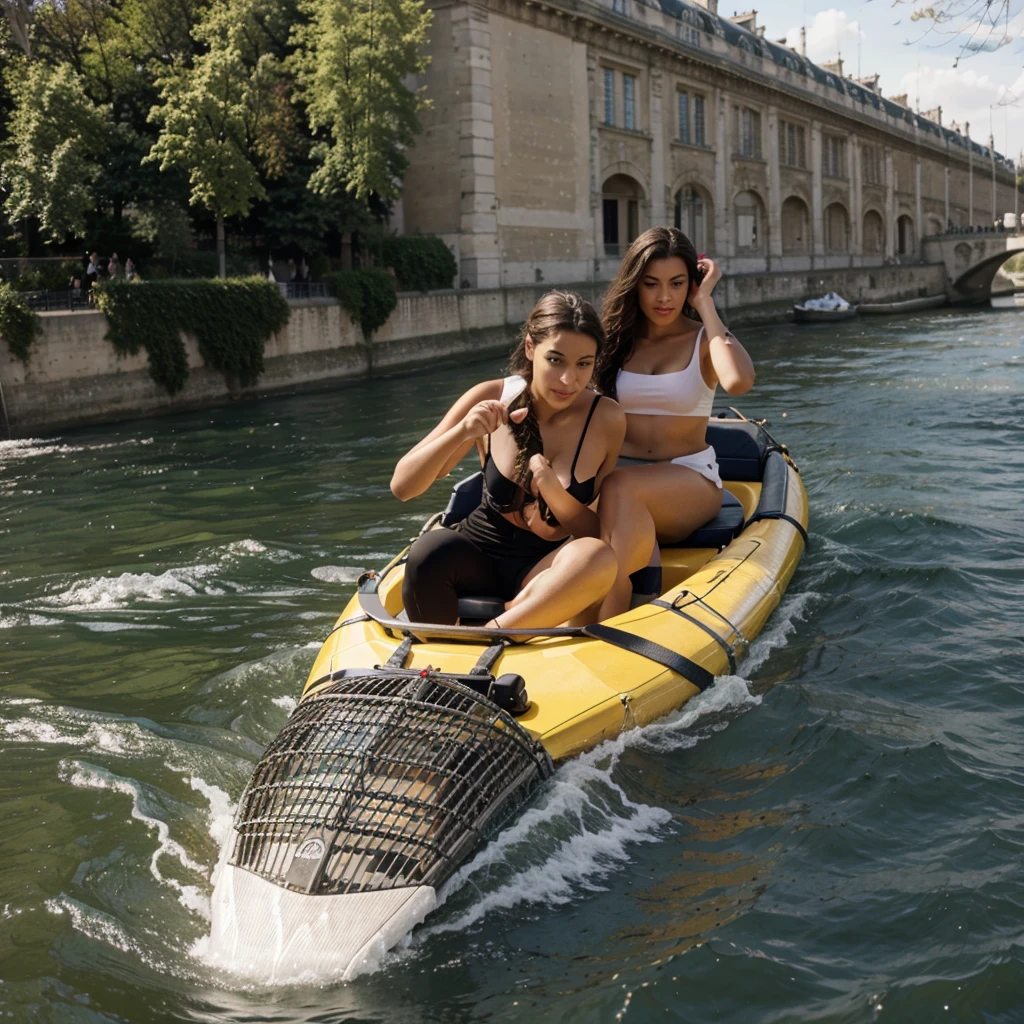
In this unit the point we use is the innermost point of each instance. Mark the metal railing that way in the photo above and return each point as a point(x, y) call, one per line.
point(63, 301)
point(303, 289)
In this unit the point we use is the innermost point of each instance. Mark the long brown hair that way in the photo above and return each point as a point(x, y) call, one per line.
point(621, 308)
point(555, 311)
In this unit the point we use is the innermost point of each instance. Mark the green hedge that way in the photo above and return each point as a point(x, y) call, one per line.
point(422, 263)
point(368, 295)
point(231, 319)
point(19, 325)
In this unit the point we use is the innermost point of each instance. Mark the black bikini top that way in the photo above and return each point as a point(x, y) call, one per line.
point(504, 495)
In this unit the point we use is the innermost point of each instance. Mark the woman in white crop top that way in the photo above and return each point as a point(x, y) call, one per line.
point(666, 353)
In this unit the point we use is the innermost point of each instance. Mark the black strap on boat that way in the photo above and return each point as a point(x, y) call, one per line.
point(689, 670)
point(486, 661)
point(400, 655)
point(730, 651)
point(757, 516)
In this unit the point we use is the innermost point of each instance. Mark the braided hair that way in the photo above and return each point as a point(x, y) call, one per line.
point(555, 311)
point(621, 309)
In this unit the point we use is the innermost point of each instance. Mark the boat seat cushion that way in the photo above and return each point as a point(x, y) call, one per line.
point(721, 530)
point(739, 447)
point(479, 609)
point(466, 495)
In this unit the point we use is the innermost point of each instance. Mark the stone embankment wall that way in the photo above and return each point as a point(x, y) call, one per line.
point(75, 377)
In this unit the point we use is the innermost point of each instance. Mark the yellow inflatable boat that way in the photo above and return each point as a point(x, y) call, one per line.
point(414, 742)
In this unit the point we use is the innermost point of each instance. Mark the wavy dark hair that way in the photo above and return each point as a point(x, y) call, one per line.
point(620, 311)
point(555, 311)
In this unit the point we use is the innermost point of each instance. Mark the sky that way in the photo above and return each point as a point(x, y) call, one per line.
point(985, 86)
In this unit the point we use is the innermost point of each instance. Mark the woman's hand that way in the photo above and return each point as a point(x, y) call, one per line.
point(541, 474)
point(700, 294)
point(485, 418)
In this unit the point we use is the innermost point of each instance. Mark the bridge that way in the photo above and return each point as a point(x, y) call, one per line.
point(971, 260)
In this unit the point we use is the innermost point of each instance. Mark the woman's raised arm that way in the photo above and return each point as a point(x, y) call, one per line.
point(732, 366)
point(477, 413)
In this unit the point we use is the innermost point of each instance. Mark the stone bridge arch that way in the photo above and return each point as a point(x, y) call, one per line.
point(972, 261)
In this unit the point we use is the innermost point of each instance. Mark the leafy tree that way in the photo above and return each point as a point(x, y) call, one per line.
point(57, 137)
point(208, 128)
point(351, 60)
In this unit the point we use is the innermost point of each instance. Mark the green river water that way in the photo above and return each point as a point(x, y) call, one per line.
point(836, 835)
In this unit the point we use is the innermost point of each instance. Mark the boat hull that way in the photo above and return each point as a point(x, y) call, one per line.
point(822, 316)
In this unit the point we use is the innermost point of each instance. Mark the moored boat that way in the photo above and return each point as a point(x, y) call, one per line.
point(823, 309)
point(414, 742)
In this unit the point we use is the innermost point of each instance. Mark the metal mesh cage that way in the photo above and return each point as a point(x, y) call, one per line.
point(383, 781)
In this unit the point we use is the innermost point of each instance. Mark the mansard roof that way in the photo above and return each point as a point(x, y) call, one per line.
point(785, 57)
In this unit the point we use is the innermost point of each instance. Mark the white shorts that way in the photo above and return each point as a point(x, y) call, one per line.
point(705, 463)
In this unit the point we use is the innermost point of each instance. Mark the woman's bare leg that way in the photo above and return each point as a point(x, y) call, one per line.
point(561, 585)
point(629, 528)
point(641, 503)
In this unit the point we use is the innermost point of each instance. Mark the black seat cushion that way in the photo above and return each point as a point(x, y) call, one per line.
point(466, 495)
point(479, 609)
point(721, 530)
point(739, 447)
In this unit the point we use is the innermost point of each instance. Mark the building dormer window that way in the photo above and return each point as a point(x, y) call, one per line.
point(621, 7)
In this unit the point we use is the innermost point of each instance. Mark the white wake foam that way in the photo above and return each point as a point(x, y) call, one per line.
point(112, 592)
point(84, 776)
point(336, 573)
point(585, 824)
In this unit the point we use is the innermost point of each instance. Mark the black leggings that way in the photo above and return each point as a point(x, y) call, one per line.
point(484, 556)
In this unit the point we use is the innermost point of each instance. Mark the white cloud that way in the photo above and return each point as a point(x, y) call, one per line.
point(830, 33)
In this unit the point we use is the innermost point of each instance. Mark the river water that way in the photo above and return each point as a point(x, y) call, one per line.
point(837, 835)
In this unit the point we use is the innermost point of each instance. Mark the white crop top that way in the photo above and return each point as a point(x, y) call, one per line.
point(682, 393)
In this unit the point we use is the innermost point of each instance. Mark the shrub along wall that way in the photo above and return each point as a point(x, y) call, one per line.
point(422, 263)
point(19, 325)
point(368, 295)
point(232, 320)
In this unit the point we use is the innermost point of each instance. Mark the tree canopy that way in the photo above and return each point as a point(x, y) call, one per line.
point(290, 118)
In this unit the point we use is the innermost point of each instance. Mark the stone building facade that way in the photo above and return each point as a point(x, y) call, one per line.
point(558, 130)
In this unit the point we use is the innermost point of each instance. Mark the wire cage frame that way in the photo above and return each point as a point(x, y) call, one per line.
point(382, 782)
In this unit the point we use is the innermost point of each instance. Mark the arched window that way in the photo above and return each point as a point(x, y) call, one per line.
point(905, 241)
point(693, 217)
point(874, 234)
point(795, 227)
point(621, 196)
point(837, 228)
point(749, 224)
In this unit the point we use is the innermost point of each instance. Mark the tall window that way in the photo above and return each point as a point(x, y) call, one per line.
point(833, 156)
point(749, 126)
point(691, 119)
point(793, 144)
point(871, 165)
point(609, 96)
point(629, 101)
point(620, 6)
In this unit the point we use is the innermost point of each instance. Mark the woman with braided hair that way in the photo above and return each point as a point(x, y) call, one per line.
point(667, 351)
point(546, 443)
